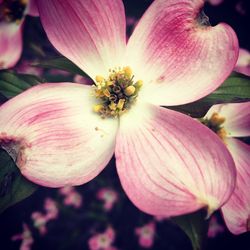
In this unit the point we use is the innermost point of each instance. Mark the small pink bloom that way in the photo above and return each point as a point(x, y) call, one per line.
point(109, 197)
point(146, 235)
point(51, 209)
point(102, 241)
point(66, 190)
point(243, 63)
point(214, 227)
point(73, 199)
point(131, 21)
point(229, 121)
point(26, 237)
point(11, 31)
point(40, 222)
point(240, 8)
point(173, 57)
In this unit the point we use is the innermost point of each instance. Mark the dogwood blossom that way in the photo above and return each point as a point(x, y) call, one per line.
point(66, 133)
point(229, 121)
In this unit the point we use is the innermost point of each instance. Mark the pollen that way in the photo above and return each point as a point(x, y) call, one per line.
point(216, 119)
point(215, 123)
point(117, 93)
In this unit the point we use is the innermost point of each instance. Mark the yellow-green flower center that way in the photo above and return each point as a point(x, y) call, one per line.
point(12, 10)
point(215, 123)
point(117, 93)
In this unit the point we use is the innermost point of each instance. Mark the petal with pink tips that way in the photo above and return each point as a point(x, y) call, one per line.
point(237, 118)
point(60, 140)
point(11, 44)
point(179, 59)
point(236, 211)
point(91, 33)
point(169, 164)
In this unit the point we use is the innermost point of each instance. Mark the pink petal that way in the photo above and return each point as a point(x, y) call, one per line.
point(243, 63)
point(31, 8)
point(236, 212)
point(169, 164)
point(60, 140)
point(179, 59)
point(10, 44)
point(91, 33)
point(237, 115)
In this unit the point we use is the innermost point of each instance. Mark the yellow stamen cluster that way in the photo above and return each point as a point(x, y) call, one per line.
point(12, 10)
point(215, 123)
point(117, 93)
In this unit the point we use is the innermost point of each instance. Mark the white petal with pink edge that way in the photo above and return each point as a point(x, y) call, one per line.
point(61, 141)
point(179, 59)
point(91, 33)
point(10, 44)
point(169, 164)
point(236, 211)
point(237, 118)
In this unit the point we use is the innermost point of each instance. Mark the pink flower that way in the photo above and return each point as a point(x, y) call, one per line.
point(214, 228)
point(66, 190)
point(11, 24)
point(51, 209)
point(109, 197)
point(26, 237)
point(40, 220)
point(243, 63)
point(66, 133)
point(146, 235)
point(103, 241)
point(229, 121)
point(73, 199)
point(241, 8)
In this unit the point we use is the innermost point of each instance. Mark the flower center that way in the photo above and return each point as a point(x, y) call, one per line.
point(117, 93)
point(215, 123)
point(12, 10)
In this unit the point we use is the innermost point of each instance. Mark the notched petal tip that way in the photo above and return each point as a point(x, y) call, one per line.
point(48, 124)
point(172, 165)
point(202, 19)
point(184, 58)
point(15, 147)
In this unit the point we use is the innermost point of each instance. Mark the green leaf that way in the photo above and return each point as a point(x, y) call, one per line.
point(12, 84)
point(195, 226)
point(13, 186)
point(61, 63)
point(236, 88)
